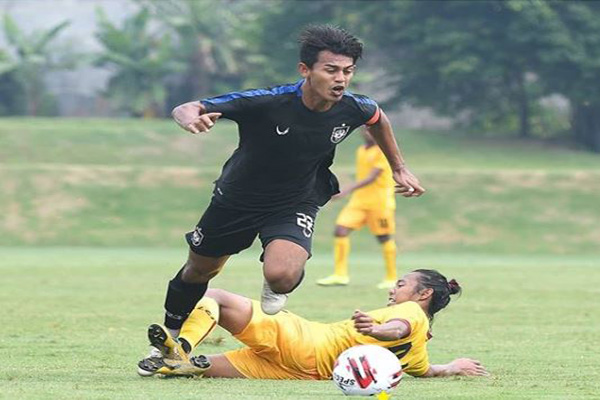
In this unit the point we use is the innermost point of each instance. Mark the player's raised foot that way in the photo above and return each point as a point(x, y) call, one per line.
point(334, 280)
point(196, 366)
point(169, 347)
point(271, 302)
point(386, 284)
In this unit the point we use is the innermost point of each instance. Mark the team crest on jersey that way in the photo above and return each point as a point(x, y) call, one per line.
point(339, 132)
point(197, 237)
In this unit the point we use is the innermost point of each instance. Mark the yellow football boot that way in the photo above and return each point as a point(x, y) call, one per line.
point(166, 368)
point(169, 347)
point(196, 366)
point(334, 280)
point(386, 284)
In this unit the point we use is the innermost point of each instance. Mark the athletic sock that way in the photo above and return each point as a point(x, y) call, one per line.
point(173, 332)
point(341, 250)
point(180, 301)
point(389, 256)
point(200, 323)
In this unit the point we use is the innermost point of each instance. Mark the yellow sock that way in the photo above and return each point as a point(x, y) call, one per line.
point(341, 250)
point(201, 322)
point(389, 256)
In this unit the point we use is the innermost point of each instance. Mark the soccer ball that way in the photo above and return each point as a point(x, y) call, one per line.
point(366, 370)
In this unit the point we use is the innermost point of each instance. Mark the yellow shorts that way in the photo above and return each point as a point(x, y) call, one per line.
point(380, 222)
point(279, 347)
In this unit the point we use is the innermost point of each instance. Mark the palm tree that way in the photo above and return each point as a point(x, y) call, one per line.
point(209, 41)
point(12, 98)
point(32, 59)
point(141, 62)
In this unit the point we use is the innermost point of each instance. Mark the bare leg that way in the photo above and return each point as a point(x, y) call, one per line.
point(188, 287)
point(235, 311)
point(284, 265)
point(201, 269)
point(383, 238)
point(342, 231)
point(220, 367)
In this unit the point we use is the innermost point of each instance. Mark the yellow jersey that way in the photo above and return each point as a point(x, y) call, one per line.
point(332, 339)
point(380, 193)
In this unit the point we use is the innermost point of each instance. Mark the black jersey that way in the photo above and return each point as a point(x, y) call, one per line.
point(285, 149)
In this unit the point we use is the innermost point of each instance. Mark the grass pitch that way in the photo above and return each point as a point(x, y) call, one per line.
point(74, 324)
point(138, 183)
point(91, 227)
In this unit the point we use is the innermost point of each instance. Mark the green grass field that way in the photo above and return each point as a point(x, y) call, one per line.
point(74, 324)
point(91, 227)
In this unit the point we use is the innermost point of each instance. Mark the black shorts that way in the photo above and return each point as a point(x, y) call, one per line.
point(223, 231)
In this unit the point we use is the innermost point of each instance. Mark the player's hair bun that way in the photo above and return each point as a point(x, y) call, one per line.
point(453, 286)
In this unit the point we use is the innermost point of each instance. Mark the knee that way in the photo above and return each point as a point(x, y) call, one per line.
point(195, 272)
point(341, 231)
point(282, 281)
point(215, 294)
point(383, 238)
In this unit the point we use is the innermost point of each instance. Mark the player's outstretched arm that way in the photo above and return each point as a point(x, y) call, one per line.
point(407, 184)
point(193, 117)
point(388, 331)
point(372, 177)
point(460, 366)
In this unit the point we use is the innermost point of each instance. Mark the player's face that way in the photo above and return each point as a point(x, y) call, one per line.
point(405, 289)
point(330, 76)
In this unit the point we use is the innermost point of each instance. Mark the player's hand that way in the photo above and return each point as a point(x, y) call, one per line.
point(362, 322)
point(406, 183)
point(467, 367)
point(193, 118)
point(202, 123)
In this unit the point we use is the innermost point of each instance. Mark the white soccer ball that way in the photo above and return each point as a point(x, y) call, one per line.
point(366, 370)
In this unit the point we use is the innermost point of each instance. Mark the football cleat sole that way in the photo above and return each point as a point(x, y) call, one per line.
point(201, 362)
point(150, 365)
point(187, 369)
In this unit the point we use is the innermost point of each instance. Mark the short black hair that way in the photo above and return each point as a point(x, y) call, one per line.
point(316, 38)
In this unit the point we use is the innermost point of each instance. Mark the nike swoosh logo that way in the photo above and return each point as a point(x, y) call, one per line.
point(282, 132)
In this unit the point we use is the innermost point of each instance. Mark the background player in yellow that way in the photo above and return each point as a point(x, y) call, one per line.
point(373, 204)
point(287, 346)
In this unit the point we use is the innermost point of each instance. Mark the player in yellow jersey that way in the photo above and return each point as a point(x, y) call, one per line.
point(372, 203)
point(287, 346)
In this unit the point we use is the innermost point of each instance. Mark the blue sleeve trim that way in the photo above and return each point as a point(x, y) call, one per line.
point(361, 99)
point(273, 91)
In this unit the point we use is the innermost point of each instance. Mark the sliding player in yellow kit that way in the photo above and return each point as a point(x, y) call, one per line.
point(287, 346)
point(373, 204)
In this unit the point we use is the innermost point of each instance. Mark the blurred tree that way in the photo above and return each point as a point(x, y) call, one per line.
point(249, 43)
point(12, 96)
point(210, 41)
point(572, 66)
point(274, 37)
point(33, 59)
point(473, 59)
point(142, 61)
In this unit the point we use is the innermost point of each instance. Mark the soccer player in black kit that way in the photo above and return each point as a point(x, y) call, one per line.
point(278, 177)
